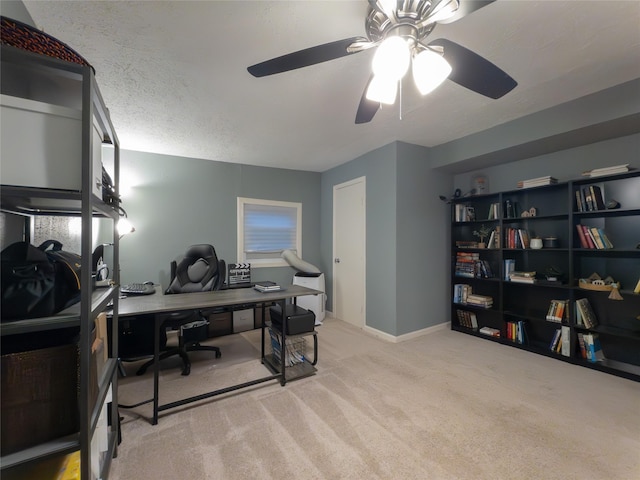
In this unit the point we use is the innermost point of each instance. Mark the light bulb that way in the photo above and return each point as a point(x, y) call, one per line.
point(392, 58)
point(124, 226)
point(382, 89)
point(430, 69)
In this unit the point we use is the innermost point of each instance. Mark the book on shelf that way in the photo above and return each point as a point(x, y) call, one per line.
point(516, 332)
point(565, 335)
point(494, 211)
point(581, 344)
point(464, 213)
point(537, 182)
point(516, 238)
point(522, 277)
point(483, 301)
point(555, 340)
point(466, 244)
point(267, 286)
point(599, 172)
point(593, 238)
point(593, 347)
point(492, 332)
point(590, 199)
point(460, 292)
point(558, 311)
point(585, 315)
point(466, 264)
point(509, 267)
point(467, 319)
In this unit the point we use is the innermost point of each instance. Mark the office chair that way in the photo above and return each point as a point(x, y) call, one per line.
point(199, 271)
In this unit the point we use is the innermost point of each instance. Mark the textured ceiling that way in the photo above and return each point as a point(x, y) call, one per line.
point(173, 73)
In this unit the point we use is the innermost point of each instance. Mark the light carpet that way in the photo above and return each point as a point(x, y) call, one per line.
point(442, 406)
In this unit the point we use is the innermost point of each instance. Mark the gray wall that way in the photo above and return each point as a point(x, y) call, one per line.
point(177, 202)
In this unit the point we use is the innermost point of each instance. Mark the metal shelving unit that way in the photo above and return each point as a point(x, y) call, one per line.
point(70, 88)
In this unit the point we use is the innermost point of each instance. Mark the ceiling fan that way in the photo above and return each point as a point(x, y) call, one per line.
point(399, 29)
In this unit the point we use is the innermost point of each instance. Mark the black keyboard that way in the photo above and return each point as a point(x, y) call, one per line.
point(138, 289)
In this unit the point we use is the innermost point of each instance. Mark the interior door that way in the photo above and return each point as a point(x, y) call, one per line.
point(349, 255)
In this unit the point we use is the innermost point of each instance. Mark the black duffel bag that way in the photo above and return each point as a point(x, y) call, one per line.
point(38, 282)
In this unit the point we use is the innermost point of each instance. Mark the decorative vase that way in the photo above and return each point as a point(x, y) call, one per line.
point(536, 243)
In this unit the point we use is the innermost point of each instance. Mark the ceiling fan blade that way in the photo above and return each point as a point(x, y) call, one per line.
point(367, 108)
point(472, 71)
point(466, 7)
point(305, 58)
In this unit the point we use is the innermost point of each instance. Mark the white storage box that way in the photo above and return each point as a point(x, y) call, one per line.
point(315, 303)
point(42, 146)
point(242, 320)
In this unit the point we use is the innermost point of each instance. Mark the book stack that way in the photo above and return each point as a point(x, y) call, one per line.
point(466, 244)
point(593, 237)
point(466, 264)
point(599, 172)
point(467, 319)
point(460, 292)
point(482, 301)
point(558, 311)
point(516, 332)
point(590, 199)
point(492, 332)
point(537, 182)
point(516, 238)
point(267, 286)
point(585, 315)
point(522, 277)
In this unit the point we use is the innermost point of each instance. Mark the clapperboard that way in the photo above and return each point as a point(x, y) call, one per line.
point(239, 273)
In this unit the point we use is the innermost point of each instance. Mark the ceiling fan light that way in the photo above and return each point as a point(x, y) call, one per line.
point(382, 89)
point(392, 58)
point(429, 71)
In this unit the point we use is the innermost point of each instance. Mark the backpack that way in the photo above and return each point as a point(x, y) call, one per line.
point(38, 282)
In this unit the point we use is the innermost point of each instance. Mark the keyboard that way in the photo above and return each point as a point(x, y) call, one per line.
point(138, 289)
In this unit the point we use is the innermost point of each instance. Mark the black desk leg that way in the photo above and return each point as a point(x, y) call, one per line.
point(156, 368)
point(263, 325)
point(283, 345)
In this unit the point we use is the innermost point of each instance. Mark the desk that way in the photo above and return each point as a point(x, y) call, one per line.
point(159, 303)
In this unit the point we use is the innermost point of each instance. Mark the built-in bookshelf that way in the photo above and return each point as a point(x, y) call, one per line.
point(559, 298)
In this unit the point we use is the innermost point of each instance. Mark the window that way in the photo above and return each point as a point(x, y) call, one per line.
point(265, 229)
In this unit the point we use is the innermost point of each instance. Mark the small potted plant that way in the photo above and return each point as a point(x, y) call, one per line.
point(482, 233)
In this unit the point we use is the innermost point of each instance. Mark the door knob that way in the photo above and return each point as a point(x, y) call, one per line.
point(336, 260)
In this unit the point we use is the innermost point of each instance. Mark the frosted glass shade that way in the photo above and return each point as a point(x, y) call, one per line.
point(392, 58)
point(382, 89)
point(429, 70)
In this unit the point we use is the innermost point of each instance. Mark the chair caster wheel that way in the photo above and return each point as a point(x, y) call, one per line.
point(218, 354)
point(186, 370)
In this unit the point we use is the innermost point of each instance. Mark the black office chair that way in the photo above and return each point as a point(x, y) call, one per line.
point(199, 271)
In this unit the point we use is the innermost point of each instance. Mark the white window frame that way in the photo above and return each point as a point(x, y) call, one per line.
point(271, 261)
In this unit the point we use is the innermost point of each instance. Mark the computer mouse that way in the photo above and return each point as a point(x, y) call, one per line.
point(148, 282)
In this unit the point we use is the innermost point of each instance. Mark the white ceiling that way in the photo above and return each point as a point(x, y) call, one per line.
point(173, 73)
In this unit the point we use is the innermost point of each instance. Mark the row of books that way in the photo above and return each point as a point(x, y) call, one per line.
point(516, 332)
point(537, 182)
point(589, 199)
point(494, 238)
point(467, 319)
point(516, 238)
point(464, 213)
point(590, 347)
point(460, 292)
point(561, 341)
point(558, 311)
point(593, 237)
point(494, 211)
point(585, 315)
